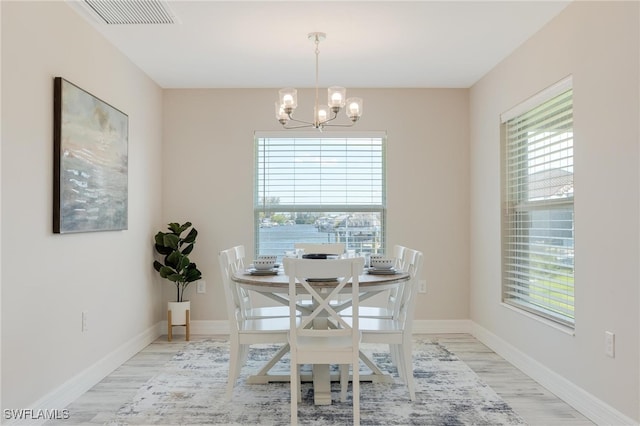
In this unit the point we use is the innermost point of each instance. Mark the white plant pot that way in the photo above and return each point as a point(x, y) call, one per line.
point(179, 312)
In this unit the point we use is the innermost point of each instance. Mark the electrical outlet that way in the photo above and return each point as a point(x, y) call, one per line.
point(201, 287)
point(609, 344)
point(423, 286)
point(85, 321)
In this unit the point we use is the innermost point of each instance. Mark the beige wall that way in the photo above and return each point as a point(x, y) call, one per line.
point(208, 178)
point(47, 279)
point(598, 43)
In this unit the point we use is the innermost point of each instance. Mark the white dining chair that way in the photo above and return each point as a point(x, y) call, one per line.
point(397, 331)
point(323, 337)
point(245, 297)
point(243, 332)
point(387, 311)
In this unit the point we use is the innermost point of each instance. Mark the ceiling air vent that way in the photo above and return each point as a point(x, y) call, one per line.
point(136, 12)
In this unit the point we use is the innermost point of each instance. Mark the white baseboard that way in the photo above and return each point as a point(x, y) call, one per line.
point(73, 388)
point(591, 407)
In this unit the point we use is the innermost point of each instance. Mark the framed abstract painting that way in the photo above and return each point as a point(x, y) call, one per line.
point(90, 182)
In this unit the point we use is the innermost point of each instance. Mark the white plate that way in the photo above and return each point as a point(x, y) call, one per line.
point(263, 271)
point(385, 271)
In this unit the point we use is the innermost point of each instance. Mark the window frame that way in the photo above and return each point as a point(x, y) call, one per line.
point(262, 207)
point(522, 295)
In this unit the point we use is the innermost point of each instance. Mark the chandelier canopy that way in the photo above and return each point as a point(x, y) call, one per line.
point(323, 114)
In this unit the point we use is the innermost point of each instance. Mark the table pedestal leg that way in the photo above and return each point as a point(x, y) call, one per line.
point(321, 373)
point(321, 384)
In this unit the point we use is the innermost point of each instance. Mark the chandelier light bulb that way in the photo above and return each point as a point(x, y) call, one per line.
point(288, 100)
point(281, 115)
point(336, 96)
point(354, 109)
point(322, 114)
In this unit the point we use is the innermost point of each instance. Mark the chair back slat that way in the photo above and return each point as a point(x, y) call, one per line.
point(243, 295)
point(405, 308)
point(396, 293)
point(240, 256)
point(227, 259)
point(234, 262)
point(398, 255)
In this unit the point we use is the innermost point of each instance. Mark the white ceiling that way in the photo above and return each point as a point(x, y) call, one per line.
point(370, 44)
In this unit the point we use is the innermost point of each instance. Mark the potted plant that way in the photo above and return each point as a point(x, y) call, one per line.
point(177, 268)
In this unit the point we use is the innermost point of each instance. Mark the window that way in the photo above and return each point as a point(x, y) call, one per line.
point(322, 189)
point(537, 220)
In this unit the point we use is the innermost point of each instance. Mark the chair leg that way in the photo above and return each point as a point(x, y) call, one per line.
point(230, 383)
point(356, 391)
point(299, 382)
point(407, 358)
point(188, 336)
point(243, 355)
point(394, 357)
point(234, 349)
point(398, 355)
point(295, 393)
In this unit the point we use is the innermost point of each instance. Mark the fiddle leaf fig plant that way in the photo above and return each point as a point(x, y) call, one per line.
point(175, 249)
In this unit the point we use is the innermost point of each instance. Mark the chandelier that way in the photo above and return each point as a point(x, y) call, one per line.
point(322, 114)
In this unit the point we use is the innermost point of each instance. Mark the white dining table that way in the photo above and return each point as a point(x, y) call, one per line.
point(276, 287)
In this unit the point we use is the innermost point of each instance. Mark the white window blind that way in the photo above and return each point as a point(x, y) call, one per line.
point(537, 224)
point(321, 190)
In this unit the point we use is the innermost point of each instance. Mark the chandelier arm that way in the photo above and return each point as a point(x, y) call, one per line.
point(338, 125)
point(298, 127)
point(301, 121)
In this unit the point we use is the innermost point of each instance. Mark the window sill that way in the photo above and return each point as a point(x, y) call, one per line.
point(562, 328)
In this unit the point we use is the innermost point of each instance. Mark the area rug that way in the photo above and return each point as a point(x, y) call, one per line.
point(190, 390)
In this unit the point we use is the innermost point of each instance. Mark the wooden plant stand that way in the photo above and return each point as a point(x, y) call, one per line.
point(170, 326)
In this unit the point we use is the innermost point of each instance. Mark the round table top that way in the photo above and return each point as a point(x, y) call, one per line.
point(280, 283)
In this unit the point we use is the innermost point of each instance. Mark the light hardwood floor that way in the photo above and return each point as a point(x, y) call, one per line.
point(535, 404)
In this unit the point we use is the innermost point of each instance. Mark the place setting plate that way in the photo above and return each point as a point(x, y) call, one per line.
point(382, 271)
point(254, 271)
point(321, 256)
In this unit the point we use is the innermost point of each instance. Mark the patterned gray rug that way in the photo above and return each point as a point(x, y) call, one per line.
point(190, 391)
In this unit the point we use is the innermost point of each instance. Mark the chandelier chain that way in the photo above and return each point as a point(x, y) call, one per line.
point(315, 113)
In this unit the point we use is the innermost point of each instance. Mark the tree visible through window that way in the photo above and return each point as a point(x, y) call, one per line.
point(319, 190)
point(537, 221)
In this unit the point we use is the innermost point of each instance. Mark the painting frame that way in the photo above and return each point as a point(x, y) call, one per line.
point(91, 162)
